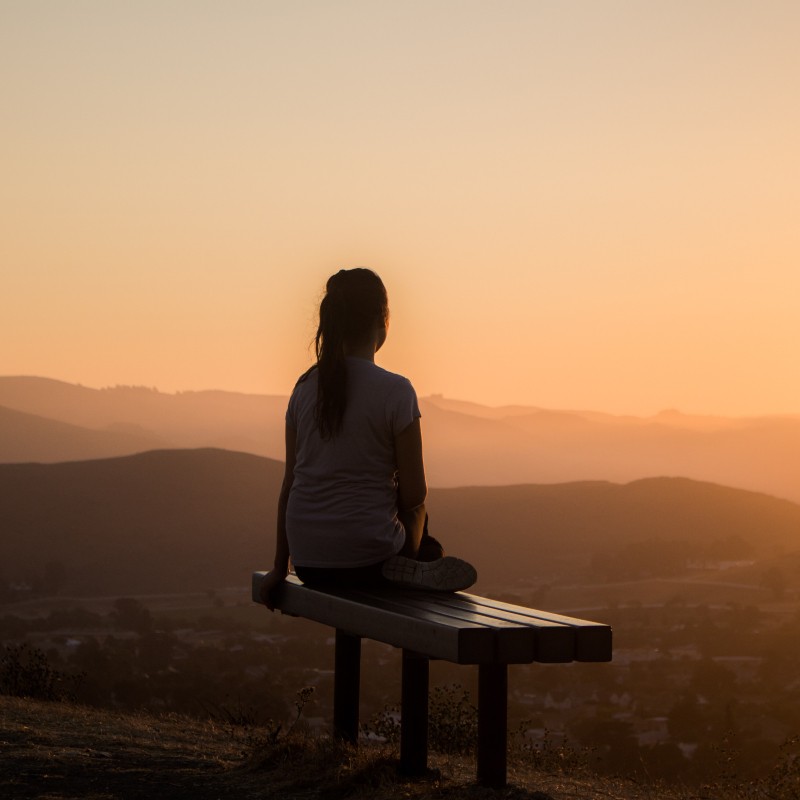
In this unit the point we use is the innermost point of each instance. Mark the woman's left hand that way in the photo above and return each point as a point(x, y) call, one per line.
point(269, 585)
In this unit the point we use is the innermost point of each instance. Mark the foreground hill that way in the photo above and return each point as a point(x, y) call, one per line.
point(466, 444)
point(61, 751)
point(192, 520)
point(163, 521)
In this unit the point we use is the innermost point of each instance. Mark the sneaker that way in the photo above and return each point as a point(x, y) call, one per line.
point(446, 574)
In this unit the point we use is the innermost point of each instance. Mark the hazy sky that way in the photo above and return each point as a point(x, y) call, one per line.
point(573, 204)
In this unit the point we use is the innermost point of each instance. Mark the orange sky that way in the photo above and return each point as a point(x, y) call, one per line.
point(574, 204)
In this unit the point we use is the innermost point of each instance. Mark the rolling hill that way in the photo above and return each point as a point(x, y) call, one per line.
point(249, 423)
point(191, 520)
point(465, 444)
point(27, 437)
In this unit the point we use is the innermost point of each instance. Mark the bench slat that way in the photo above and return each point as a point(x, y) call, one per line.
point(593, 639)
point(513, 643)
point(553, 642)
point(426, 632)
point(549, 642)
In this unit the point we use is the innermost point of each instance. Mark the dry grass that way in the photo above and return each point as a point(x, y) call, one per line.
point(56, 751)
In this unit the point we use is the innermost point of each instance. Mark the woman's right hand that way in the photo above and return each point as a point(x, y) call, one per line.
point(269, 585)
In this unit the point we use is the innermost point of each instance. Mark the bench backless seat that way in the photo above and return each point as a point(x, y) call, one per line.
point(458, 627)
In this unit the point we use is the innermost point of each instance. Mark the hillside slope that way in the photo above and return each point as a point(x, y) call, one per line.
point(466, 444)
point(163, 521)
point(60, 751)
point(250, 423)
point(190, 520)
point(28, 437)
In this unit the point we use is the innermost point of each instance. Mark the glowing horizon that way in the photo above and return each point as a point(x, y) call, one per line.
point(572, 205)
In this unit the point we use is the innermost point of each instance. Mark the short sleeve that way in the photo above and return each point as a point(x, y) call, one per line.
point(403, 406)
point(291, 411)
point(299, 401)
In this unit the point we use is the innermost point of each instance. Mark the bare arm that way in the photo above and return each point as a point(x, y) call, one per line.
point(280, 564)
point(411, 487)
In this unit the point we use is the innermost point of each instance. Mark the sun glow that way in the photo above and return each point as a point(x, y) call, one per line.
point(571, 205)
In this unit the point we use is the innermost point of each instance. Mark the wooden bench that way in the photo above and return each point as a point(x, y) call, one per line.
point(457, 627)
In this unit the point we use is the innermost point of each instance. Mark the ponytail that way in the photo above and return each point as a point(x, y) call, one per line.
point(355, 302)
point(331, 364)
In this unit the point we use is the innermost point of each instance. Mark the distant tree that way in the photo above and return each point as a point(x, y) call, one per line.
point(613, 742)
point(728, 548)
point(712, 680)
point(685, 720)
point(130, 615)
point(779, 668)
point(55, 576)
point(775, 581)
point(155, 651)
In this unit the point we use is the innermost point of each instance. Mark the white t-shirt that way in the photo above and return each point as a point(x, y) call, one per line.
point(342, 509)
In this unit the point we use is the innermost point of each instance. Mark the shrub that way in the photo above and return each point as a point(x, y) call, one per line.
point(548, 755)
point(452, 721)
point(25, 671)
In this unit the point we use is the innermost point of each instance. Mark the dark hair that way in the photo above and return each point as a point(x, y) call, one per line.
point(355, 303)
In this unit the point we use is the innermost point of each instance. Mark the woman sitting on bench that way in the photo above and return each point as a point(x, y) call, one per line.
point(352, 505)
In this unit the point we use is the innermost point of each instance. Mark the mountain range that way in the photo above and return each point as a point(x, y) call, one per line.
point(192, 520)
point(466, 444)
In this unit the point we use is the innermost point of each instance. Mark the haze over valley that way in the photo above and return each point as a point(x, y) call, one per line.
point(132, 519)
point(131, 490)
point(133, 573)
point(192, 520)
point(466, 444)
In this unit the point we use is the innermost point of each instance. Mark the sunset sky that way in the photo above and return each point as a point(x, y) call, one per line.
point(590, 204)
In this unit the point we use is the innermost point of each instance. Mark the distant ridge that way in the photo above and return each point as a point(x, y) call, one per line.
point(465, 443)
point(191, 520)
point(161, 521)
point(250, 423)
point(27, 437)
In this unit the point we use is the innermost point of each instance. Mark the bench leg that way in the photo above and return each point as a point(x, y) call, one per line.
point(346, 684)
point(414, 714)
point(492, 724)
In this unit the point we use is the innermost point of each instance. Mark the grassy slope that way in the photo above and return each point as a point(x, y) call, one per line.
point(59, 751)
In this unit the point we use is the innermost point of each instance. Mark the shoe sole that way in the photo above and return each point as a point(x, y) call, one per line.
point(447, 574)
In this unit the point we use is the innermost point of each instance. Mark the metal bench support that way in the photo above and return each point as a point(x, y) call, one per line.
point(346, 685)
point(414, 714)
point(492, 724)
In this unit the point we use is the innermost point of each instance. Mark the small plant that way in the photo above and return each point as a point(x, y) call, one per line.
point(25, 671)
point(271, 745)
point(547, 754)
point(452, 721)
point(301, 700)
point(784, 779)
point(233, 714)
point(385, 725)
point(237, 714)
point(729, 757)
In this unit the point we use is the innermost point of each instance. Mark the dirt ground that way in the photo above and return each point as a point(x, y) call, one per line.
point(57, 751)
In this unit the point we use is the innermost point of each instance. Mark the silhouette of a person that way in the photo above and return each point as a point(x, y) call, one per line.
point(352, 504)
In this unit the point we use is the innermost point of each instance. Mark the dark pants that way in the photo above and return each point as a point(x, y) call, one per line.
point(429, 550)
